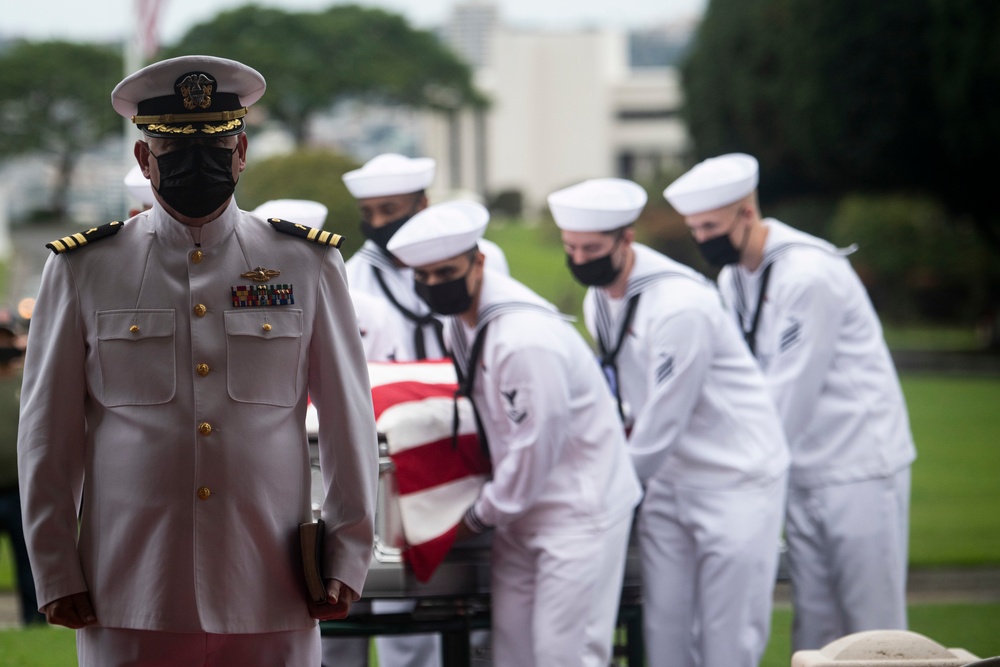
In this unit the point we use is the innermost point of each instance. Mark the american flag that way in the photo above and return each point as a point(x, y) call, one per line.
point(437, 480)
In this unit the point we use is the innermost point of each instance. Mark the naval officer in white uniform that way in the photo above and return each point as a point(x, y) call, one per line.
point(809, 320)
point(562, 493)
point(703, 434)
point(162, 448)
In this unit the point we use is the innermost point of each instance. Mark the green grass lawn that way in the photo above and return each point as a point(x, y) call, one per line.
point(955, 506)
point(972, 627)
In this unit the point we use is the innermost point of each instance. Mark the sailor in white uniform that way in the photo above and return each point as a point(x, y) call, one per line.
point(810, 322)
point(704, 437)
point(390, 188)
point(562, 493)
point(381, 343)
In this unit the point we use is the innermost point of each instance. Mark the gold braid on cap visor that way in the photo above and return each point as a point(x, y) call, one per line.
point(157, 123)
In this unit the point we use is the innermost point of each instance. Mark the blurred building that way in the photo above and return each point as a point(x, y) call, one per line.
point(565, 106)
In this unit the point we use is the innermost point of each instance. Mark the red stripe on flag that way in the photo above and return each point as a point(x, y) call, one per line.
point(387, 395)
point(425, 558)
point(436, 463)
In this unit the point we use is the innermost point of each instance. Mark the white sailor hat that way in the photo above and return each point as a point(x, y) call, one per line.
point(714, 183)
point(439, 232)
point(390, 174)
point(189, 96)
point(303, 211)
point(139, 186)
point(597, 205)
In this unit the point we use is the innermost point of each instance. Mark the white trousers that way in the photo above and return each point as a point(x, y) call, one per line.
point(847, 558)
point(709, 561)
point(118, 647)
point(555, 597)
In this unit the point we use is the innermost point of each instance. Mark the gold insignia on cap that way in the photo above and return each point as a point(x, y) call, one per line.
point(260, 274)
point(187, 129)
point(196, 90)
point(231, 125)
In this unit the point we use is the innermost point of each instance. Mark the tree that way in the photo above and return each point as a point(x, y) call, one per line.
point(313, 60)
point(835, 97)
point(965, 71)
point(55, 97)
point(305, 174)
point(830, 96)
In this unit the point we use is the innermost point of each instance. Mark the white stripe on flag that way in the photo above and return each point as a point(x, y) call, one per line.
point(429, 373)
point(428, 514)
point(415, 423)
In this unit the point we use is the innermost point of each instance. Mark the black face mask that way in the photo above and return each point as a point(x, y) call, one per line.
point(448, 298)
point(719, 251)
point(196, 180)
point(8, 354)
point(597, 272)
point(380, 236)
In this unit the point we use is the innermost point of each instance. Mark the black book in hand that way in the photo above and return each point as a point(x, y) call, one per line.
point(311, 543)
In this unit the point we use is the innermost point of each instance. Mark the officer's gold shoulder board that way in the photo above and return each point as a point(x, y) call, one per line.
point(310, 233)
point(80, 239)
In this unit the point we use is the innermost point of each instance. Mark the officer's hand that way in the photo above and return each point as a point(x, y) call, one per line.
point(73, 611)
point(339, 597)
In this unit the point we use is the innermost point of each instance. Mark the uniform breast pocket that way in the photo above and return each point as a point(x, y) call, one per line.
point(263, 355)
point(136, 352)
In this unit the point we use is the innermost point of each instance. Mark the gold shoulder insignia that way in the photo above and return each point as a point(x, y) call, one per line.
point(74, 241)
point(310, 233)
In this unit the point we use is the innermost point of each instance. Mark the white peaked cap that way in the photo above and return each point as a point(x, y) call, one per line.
point(390, 174)
point(714, 183)
point(303, 211)
point(139, 186)
point(597, 205)
point(439, 232)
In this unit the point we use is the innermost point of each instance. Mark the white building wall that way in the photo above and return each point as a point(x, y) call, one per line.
point(563, 109)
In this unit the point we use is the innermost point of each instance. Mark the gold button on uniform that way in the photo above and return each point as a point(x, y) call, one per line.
point(267, 327)
point(201, 369)
point(200, 310)
point(204, 492)
point(205, 428)
point(197, 256)
point(134, 328)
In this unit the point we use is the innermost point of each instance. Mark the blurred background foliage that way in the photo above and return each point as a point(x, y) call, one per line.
point(874, 123)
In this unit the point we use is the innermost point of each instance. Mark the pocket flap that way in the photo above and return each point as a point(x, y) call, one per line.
point(134, 324)
point(264, 323)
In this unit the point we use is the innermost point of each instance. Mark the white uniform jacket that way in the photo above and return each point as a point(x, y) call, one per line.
point(557, 447)
point(173, 421)
point(361, 268)
point(820, 345)
point(381, 343)
point(700, 414)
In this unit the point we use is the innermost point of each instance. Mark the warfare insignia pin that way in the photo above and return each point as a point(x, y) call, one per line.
point(260, 274)
point(249, 296)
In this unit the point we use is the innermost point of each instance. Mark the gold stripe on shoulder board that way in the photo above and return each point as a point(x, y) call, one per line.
point(80, 239)
point(309, 233)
